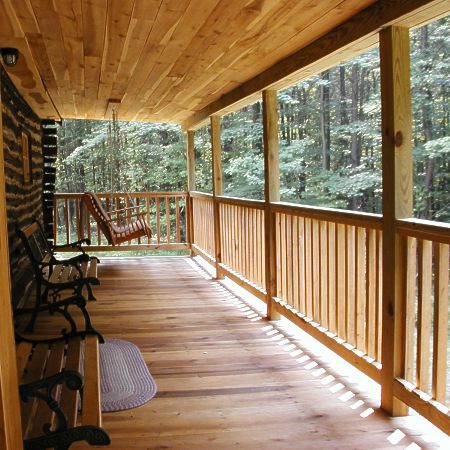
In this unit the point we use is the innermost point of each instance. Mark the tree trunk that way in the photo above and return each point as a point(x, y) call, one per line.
point(355, 151)
point(325, 118)
point(427, 125)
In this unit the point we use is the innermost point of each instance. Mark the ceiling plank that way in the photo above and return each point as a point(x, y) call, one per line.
point(141, 23)
point(71, 20)
point(117, 27)
point(94, 26)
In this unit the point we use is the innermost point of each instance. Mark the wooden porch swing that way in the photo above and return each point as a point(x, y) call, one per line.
point(116, 229)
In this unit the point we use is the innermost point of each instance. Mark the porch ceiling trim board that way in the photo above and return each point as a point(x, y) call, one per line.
point(354, 36)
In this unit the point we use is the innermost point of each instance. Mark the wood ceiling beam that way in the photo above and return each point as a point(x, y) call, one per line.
point(353, 36)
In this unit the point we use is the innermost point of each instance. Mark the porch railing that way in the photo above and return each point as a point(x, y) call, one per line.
point(328, 279)
point(329, 282)
point(425, 384)
point(165, 212)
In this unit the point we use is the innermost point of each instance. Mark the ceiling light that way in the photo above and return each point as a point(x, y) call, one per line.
point(10, 56)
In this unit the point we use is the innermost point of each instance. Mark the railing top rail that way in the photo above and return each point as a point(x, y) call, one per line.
point(198, 194)
point(360, 219)
point(425, 229)
point(257, 204)
point(63, 195)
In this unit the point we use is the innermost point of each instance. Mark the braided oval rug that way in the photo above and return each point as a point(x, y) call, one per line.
point(125, 381)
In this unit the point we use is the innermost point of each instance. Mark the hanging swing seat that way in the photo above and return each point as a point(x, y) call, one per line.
point(115, 231)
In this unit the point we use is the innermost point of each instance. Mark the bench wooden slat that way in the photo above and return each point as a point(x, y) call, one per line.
point(43, 413)
point(34, 372)
point(69, 399)
point(91, 395)
point(23, 354)
point(92, 272)
point(47, 258)
point(56, 273)
point(64, 274)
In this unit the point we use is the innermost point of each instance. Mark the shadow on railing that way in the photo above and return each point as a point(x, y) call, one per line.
point(329, 280)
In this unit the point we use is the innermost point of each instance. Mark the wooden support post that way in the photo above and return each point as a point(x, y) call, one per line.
point(10, 422)
point(271, 194)
point(397, 204)
point(216, 146)
point(190, 185)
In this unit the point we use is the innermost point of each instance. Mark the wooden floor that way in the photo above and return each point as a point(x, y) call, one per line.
point(223, 380)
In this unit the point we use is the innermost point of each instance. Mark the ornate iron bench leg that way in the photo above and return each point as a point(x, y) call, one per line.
point(62, 440)
point(90, 292)
point(30, 326)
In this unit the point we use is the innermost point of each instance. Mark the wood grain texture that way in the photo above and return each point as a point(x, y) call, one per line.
point(217, 183)
point(271, 194)
point(223, 379)
point(181, 61)
point(397, 201)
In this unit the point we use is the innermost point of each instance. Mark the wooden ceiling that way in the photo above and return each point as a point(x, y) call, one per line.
point(155, 60)
point(162, 59)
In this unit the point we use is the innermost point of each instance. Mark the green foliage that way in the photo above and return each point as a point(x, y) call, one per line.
point(203, 160)
point(147, 157)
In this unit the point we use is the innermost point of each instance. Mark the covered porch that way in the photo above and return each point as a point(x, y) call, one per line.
point(372, 288)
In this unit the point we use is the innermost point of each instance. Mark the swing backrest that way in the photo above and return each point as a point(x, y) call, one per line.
point(94, 206)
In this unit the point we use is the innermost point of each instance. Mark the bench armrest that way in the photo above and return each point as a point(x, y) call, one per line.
point(73, 245)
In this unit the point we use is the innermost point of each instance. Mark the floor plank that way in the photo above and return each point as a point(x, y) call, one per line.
point(223, 381)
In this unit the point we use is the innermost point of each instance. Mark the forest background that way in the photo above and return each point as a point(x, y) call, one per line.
point(330, 141)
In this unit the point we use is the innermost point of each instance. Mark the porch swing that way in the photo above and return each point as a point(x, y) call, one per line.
point(115, 229)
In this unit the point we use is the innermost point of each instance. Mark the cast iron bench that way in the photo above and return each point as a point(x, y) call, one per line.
point(59, 405)
point(57, 275)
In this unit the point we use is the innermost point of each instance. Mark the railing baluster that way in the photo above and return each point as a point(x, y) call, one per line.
point(158, 221)
point(360, 288)
point(177, 219)
point(66, 219)
point(341, 297)
point(295, 260)
point(308, 266)
point(350, 269)
point(440, 335)
point(370, 292)
point(302, 264)
point(323, 267)
point(55, 219)
point(168, 219)
point(128, 213)
point(315, 267)
point(410, 308)
point(424, 276)
point(379, 294)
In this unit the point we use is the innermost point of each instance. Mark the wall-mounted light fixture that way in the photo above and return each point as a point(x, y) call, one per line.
point(10, 56)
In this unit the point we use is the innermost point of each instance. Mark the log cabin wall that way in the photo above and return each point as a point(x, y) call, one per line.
point(23, 199)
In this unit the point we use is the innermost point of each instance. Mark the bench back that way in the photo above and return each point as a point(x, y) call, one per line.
point(36, 244)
